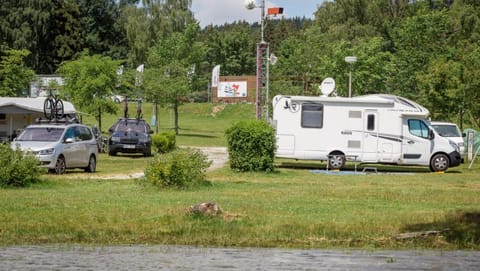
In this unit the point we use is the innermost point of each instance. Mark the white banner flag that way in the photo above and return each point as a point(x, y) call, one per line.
point(140, 68)
point(138, 77)
point(120, 70)
point(215, 76)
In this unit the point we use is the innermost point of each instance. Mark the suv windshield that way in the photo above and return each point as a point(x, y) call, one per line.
point(127, 126)
point(447, 130)
point(46, 134)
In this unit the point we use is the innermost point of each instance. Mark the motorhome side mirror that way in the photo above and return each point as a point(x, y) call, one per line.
point(431, 135)
point(464, 134)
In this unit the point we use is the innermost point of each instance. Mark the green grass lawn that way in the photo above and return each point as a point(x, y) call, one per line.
point(201, 124)
point(291, 207)
point(286, 208)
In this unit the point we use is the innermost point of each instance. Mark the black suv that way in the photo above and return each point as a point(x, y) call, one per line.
point(130, 135)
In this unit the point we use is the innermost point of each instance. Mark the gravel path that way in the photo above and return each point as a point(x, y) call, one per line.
point(218, 155)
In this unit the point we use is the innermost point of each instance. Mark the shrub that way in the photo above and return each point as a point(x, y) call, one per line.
point(164, 142)
point(179, 168)
point(16, 168)
point(251, 146)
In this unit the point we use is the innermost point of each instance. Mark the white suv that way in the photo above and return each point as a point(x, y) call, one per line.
point(60, 146)
point(452, 132)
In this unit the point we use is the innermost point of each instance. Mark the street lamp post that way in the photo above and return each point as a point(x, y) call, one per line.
point(261, 47)
point(350, 60)
point(263, 52)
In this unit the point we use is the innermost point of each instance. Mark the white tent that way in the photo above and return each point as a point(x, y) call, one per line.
point(17, 113)
point(9, 105)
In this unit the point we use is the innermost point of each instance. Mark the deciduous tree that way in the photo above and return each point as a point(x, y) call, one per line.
point(89, 83)
point(15, 76)
point(171, 69)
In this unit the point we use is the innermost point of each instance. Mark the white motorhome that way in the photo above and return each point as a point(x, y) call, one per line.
point(374, 128)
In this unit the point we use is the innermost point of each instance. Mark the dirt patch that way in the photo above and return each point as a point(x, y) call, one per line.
point(218, 156)
point(217, 109)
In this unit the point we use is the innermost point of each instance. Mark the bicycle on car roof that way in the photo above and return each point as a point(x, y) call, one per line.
point(53, 107)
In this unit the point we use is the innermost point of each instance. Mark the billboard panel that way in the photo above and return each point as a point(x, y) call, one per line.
point(232, 89)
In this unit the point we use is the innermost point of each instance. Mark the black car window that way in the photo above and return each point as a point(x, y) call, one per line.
point(70, 133)
point(85, 133)
point(135, 126)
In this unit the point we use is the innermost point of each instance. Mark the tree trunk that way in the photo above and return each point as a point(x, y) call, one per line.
point(156, 118)
point(99, 118)
point(175, 111)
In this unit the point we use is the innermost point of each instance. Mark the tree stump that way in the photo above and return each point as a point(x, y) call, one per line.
point(205, 208)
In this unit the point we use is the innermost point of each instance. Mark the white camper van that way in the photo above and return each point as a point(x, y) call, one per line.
point(452, 132)
point(367, 129)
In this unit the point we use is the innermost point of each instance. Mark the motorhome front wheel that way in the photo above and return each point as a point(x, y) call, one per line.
point(439, 162)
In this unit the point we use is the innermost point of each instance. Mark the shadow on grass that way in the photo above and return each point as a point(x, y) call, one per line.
point(460, 228)
point(351, 167)
point(130, 155)
point(196, 135)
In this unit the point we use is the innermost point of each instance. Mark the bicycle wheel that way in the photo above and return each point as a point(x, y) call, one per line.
point(139, 109)
point(48, 108)
point(59, 110)
point(139, 114)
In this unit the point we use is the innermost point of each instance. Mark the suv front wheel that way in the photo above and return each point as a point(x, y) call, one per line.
point(60, 166)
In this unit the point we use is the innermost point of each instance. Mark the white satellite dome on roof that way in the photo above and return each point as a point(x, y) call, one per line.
point(327, 86)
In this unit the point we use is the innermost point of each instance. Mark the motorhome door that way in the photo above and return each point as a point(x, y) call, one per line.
point(416, 143)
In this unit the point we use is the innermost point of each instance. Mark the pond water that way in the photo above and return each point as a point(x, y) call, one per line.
point(196, 258)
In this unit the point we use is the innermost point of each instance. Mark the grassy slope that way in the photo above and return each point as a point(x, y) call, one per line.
point(201, 124)
point(288, 208)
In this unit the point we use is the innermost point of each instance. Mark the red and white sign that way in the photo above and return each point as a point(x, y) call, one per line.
point(232, 89)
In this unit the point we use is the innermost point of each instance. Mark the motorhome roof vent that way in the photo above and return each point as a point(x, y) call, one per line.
point(327, 86)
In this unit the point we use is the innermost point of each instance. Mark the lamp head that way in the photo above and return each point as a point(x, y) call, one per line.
point(250, 4)
point(351, 59)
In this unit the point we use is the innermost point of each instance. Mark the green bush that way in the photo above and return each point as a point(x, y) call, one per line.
point(17, 169)
point(251, 146)
point(180, 168)
point(164, 142)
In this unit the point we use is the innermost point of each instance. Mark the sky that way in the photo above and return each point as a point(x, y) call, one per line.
point(218, 12)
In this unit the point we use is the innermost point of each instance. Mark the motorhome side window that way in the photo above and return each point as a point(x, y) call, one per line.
point(371, 122)
point(312, 115)
point(418, 128)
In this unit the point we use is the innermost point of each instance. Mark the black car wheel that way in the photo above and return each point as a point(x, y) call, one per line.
point(60, 166)
point(92, 164)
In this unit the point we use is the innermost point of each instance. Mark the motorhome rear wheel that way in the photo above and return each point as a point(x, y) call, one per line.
point(336, 161)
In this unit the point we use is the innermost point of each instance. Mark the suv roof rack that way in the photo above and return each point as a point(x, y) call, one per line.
point(64, 120)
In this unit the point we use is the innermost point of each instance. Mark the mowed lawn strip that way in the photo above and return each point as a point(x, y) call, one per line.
point(286, 208)
point(290, 207)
